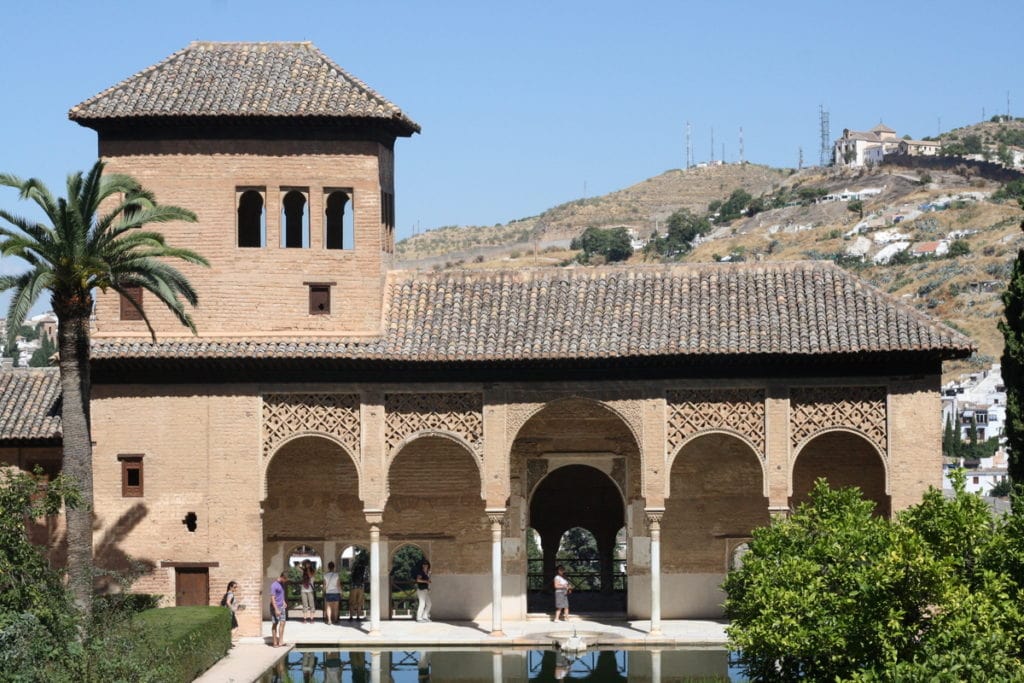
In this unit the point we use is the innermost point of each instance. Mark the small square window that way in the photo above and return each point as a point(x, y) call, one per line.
point(319, 299)
point(128, 311)
point(131, 476)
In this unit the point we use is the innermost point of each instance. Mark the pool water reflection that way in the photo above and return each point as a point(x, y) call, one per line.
point(489, 666)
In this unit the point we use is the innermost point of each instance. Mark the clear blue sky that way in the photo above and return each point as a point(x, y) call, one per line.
point(526, 104)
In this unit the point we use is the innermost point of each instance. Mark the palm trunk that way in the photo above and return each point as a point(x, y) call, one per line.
point(73, 340)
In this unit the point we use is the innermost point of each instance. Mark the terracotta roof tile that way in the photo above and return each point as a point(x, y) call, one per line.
point(243, 80)
point(799, 308)
point(29, 404)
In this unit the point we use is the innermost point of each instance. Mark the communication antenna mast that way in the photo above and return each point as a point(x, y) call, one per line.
point(723, 152)
point(826, 137)
point(1007, 104)
point(712, 144)
point(741, 144)
point(800, 161)
point(689, 147)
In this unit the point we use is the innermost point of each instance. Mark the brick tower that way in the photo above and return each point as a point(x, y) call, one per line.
point(288, 162)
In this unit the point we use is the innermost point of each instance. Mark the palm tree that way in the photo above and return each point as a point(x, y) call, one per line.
point(94, 240)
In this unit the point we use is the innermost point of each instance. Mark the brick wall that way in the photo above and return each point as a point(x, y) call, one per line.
point(716, 495)
point(249, 290)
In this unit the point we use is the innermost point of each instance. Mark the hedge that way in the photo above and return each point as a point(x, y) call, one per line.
point(187, 640)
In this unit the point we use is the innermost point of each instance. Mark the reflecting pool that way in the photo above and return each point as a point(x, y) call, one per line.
point(490, 666)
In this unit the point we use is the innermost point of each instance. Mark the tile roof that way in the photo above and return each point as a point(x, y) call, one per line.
point(687, 310)
point(242, 80)
point(29, 404)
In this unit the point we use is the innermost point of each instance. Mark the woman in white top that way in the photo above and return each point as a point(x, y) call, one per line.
point(562, 590)
point(332, 595)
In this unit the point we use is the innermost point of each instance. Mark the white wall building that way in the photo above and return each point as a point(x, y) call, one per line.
point(852, 149)
point(978, 398)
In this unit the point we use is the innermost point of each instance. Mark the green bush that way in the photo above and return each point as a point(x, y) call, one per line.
point(838, 593)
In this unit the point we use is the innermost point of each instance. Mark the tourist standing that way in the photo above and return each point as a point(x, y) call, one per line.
point(278, 610)
point(306, 592)
point(423, 592)
point(357, 587)
point(231, 603)
point(332, 595)
point(562, 590)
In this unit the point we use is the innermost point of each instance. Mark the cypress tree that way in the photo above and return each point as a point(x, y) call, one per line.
point(950, 439)
point(1012, 361)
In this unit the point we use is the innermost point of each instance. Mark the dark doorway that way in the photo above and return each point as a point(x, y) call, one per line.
point(191, 586)
point(583, 499)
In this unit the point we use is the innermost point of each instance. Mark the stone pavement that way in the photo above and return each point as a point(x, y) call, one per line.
point(248, 659)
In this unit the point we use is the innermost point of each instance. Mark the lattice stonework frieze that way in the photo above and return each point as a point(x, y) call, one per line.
point(816, 409)
point(457, 413)
point(691, 411)
point(335, 415)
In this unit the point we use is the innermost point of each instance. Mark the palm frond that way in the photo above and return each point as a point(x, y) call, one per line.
point(83, 249)
point(27, 288)
point(120, 288)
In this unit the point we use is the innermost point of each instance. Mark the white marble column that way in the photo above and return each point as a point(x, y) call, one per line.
point(496, 669)
point(374, 518)
point(497, 517)
point(376, 662)
point(654, 516)
point(655, 666)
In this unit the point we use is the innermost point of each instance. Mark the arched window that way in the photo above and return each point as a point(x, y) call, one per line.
point(294, 223)
point(338, 220)
point(251, 224)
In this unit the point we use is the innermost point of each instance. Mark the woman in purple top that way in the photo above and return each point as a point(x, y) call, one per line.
point(278, 610)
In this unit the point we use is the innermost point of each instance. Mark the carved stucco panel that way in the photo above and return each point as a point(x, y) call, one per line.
point(336, 415)
point(516, 415)
point(536, 469)
point(739, 410)
point(816, 409)
point(456, 413)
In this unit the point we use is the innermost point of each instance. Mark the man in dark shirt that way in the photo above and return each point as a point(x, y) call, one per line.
point(356, 590)
point(423, 592)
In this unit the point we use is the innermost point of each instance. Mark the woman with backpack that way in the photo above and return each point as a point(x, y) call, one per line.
point(231, 603)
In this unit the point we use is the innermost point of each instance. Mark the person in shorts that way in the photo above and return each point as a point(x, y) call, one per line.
point(332, 595)
point(278, 610)
point(357, 588)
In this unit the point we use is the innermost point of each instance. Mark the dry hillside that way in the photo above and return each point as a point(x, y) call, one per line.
point(642, 206)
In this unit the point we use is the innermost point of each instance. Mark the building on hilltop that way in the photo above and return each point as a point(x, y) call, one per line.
point(331, 401)
point(869, 148)
point(858, 148)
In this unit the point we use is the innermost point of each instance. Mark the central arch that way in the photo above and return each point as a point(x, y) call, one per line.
point(576, 463)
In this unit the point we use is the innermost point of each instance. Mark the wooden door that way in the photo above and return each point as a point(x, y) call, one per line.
point(192, 586)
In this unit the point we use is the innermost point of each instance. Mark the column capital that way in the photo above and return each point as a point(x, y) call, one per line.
point(495, 515)
point(779, 512)
point(374, 516)
point(654, 515)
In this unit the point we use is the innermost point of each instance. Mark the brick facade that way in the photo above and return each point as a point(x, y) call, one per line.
point(204, 453)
